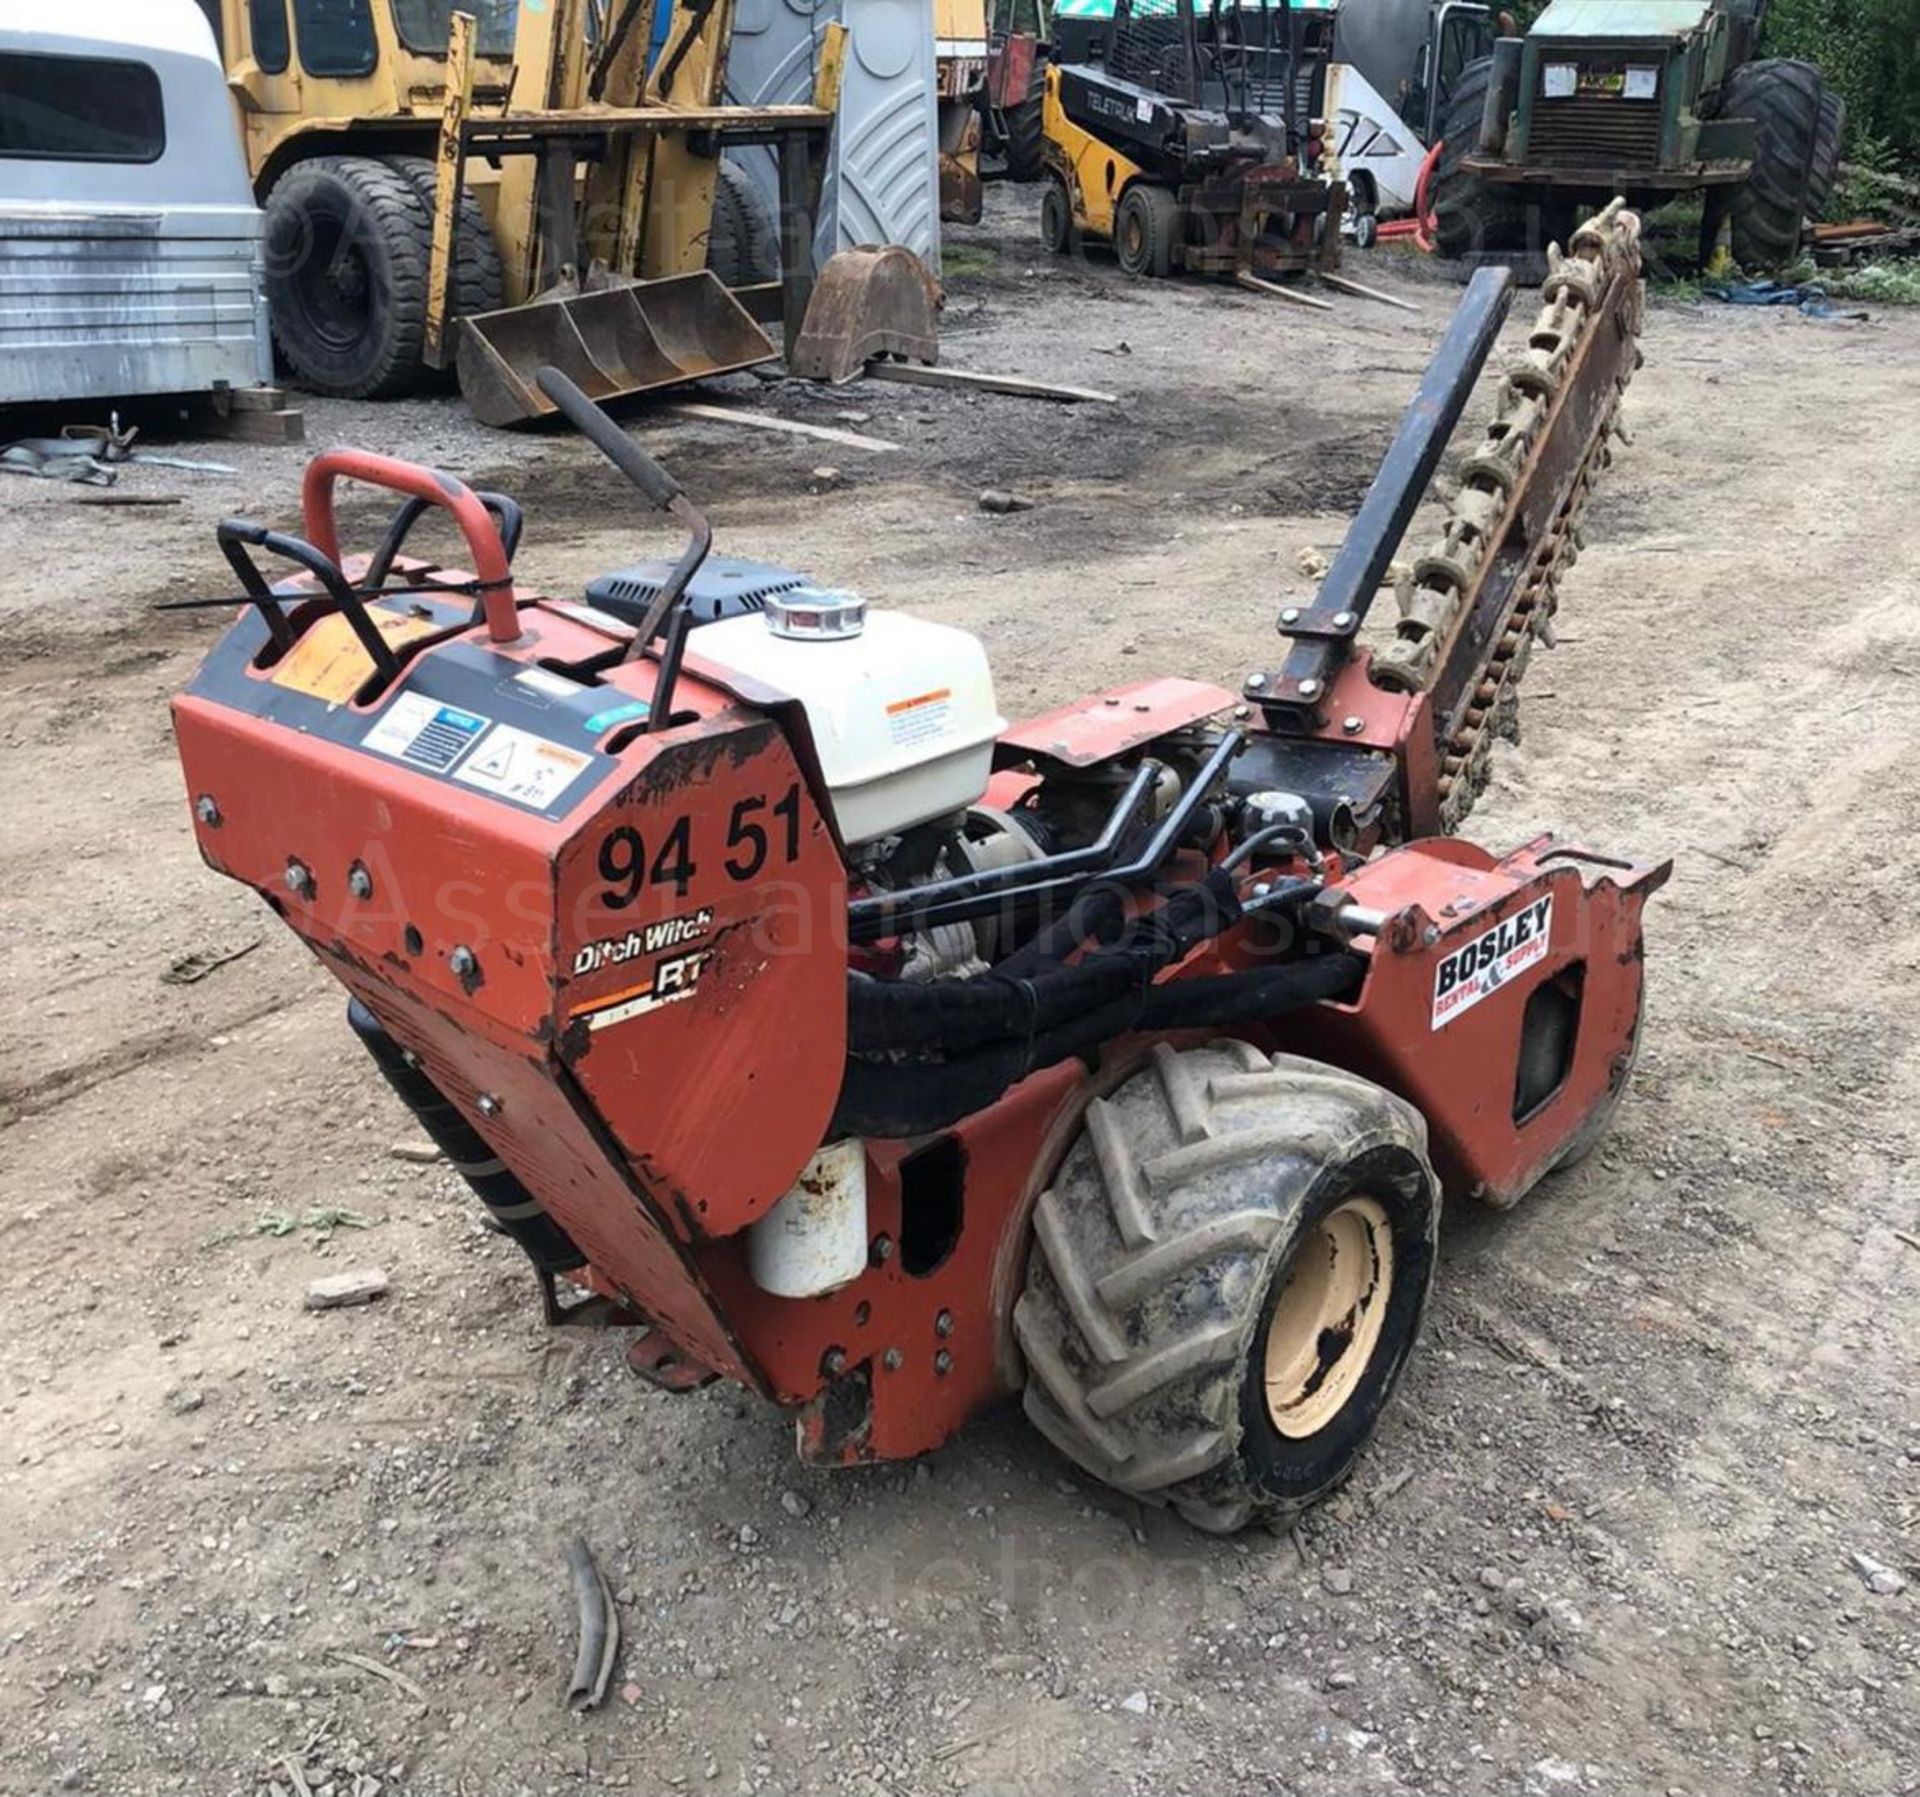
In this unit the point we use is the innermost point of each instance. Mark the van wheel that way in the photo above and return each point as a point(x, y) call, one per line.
point(348, 241)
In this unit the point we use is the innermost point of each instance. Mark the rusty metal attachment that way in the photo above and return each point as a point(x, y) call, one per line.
point(868, 302)
point(621, 339)
point(1486, 589)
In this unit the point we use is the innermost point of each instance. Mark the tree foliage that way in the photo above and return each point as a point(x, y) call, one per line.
point(1869, 50)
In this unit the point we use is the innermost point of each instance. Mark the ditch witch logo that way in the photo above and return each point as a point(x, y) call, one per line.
point(651, 939)
point(670, 979)
point(1489, 961)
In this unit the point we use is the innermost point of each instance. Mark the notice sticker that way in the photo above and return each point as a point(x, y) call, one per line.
point(516, 764)
point(424, 732)
point(1489, 961)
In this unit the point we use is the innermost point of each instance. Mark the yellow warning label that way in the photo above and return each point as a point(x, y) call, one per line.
point(329, 663)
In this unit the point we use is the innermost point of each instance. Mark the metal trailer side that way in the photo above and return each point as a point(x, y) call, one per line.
point(130, 246)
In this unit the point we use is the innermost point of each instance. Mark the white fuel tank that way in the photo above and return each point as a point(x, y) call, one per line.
point(901, 709)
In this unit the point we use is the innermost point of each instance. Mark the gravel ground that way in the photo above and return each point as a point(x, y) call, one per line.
point(1606, 1540)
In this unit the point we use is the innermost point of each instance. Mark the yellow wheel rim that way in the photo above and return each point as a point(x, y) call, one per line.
point(1327, 1321)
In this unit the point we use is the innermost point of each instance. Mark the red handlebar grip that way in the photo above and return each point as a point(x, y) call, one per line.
point(476, 523)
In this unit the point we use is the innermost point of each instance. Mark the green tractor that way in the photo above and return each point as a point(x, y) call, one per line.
point(1649, 98)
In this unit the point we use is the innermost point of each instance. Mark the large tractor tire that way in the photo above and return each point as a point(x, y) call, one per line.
point(741, 248)
point(1026, 134)
point(479, 283)
point(348, 241)
point(1796, 155)
point(1226, 1277)
point(1470, 214)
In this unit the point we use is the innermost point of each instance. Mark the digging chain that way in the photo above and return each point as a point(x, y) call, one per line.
point(1443, 580)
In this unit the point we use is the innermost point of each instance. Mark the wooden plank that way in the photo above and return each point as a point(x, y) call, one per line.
point(1286, 293)
point(1343, 284)
point(766, 421)
point(254, 399)
point(917, 375)
point(285, 424)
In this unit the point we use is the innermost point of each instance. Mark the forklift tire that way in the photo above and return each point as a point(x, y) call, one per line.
point(1796, 155)
point(348, 241)
point(741, 249)
point(1146, 226)
point(1056, 218)
point(1470, 214)
point(478, 283)
point(1226, 1277)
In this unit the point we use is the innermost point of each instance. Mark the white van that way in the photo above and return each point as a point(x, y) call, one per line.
point(129, 240)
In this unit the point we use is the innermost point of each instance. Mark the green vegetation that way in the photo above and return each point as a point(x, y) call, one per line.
point(1869, 51)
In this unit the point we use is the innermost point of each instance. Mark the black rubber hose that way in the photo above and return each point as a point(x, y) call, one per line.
point(512, 1206)
point(951, 1016)
point(887, 1098)
point(1219, 999)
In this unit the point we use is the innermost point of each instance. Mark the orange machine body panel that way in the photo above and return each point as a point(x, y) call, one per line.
point(619, 953)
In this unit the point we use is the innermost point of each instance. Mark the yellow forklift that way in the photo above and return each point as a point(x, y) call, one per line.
point(549, 177)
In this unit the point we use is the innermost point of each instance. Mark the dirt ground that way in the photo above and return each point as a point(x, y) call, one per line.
point(1604, 1540)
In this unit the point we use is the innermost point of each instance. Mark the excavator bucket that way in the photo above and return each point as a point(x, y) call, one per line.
point(873, 301)
point(614, 341)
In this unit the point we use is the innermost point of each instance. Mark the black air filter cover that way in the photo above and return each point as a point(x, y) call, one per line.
point(724, 587)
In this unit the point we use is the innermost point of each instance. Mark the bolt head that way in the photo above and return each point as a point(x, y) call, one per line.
point(359, 881)
point(463, 962)
point(299, 878)
point(1291, 615)
point(1255, 682)
point(891, 1360)
point(882, 1250)
point(943, 1363)
point(1353, 724)
point(488, 1105)
point(1308, 688)
point(207, 811)
point(1344, 620)
point(834, 1362)
point(943, 1323)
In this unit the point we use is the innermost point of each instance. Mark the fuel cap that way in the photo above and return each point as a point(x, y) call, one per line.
point(815, 614)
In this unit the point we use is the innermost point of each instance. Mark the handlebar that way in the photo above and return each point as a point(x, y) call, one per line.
point(490, 560)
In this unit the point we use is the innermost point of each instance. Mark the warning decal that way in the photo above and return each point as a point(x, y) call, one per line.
point(516, 764)
point(1490, 960)
point(920, 718)
point(424, 732)
point(328, 662)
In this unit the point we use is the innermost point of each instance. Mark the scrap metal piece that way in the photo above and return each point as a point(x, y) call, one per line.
point(599, 1629)
point(878, 300)
point(631, 337)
